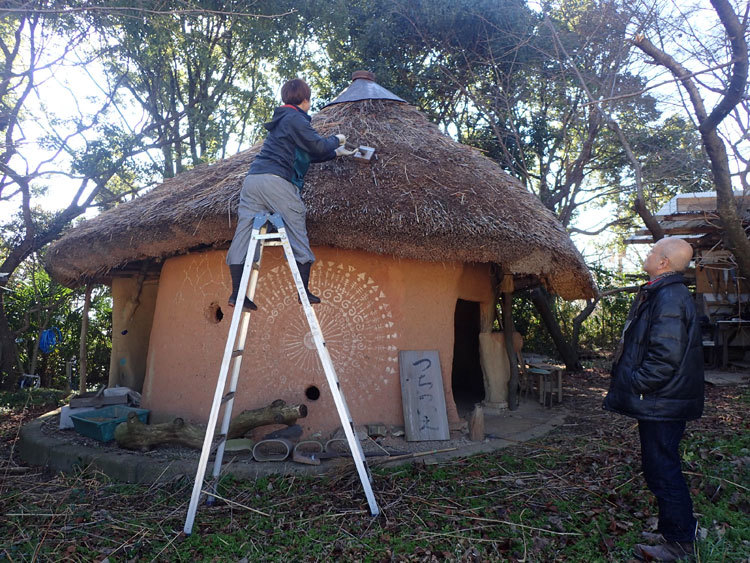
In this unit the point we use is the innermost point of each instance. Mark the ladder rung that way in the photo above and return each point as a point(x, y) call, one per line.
point(273, 243)
point(237, 352)
point(227, 397)
point(218, 441)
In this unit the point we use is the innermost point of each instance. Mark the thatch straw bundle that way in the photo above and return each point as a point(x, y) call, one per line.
point(424, 197)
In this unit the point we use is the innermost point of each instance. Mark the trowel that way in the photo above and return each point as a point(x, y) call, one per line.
point(362, 153)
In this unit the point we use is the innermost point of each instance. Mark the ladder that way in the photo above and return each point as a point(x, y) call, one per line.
point(232, 359)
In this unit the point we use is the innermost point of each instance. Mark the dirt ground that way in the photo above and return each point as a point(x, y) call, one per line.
point(574, 495)
point(583, 393)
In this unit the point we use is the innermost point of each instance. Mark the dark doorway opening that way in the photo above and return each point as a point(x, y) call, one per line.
point(466, 377)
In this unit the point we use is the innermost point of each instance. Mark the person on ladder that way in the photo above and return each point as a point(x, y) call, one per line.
point(275, 180)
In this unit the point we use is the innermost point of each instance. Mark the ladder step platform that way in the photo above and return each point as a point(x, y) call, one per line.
point(268, 230)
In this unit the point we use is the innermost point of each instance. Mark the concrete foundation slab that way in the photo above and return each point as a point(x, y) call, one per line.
point(507, 428)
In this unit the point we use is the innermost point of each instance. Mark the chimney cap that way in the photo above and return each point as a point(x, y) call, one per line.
point(365, 89)
point(366, 74)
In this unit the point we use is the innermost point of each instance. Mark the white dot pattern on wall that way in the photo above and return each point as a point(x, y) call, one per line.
point(355, 317)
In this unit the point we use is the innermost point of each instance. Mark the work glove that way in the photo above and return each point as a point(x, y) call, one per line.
point(341, 138)
point(343, 151)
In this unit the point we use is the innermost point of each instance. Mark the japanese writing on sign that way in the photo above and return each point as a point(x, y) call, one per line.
point(422, 395)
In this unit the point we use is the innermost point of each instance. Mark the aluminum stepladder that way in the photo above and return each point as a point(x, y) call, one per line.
point(233, 359)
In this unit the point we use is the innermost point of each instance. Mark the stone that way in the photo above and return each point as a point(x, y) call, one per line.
point(377, 430)
point(459, 426)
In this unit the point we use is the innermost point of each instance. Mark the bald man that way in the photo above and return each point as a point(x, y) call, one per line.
point(657, 378)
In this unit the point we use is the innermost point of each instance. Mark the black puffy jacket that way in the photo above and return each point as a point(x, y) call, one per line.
point(291, 145)
point(659, 374)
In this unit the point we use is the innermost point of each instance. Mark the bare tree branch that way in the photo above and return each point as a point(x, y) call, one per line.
point(137, 11)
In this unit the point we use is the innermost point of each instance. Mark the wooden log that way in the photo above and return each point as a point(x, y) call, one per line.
point(134, 435)
point(476, 424)
point(277, 412)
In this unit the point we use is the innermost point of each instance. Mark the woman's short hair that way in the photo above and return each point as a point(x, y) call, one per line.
point(295, 91)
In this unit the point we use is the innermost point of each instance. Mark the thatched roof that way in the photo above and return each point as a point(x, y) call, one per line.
point(424, 197)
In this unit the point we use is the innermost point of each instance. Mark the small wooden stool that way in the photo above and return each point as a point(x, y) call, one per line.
point(545, 383)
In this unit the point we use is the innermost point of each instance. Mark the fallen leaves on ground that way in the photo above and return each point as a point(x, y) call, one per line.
point(576, 494)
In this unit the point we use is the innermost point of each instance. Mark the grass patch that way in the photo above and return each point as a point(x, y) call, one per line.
point(575, 495)
point(13, 401)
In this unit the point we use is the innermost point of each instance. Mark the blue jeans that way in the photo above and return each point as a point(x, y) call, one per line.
point(661, 467)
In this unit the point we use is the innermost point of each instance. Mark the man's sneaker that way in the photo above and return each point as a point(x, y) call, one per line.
point(668, 551)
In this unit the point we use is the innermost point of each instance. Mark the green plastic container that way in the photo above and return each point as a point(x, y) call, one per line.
point(100, 424)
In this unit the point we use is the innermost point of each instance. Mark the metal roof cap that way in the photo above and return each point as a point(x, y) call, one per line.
point(364, 87)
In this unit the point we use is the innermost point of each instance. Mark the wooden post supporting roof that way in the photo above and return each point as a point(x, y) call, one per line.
point(506, 287)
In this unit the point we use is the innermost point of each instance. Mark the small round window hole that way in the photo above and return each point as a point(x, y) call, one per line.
point(312, 393)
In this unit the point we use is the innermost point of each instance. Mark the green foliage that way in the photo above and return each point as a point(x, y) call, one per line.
point(200, 77)
point(599, 332)
point(16, 401)
point(34, 302)
point(576, 494)
point(418, 49)
point(529, 324)
point(602, 329)
point(493, 74)
point(673, 161)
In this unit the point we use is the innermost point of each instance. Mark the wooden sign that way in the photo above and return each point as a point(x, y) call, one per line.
point(422, 396)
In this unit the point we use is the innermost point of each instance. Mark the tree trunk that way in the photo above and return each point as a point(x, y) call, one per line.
point(502, 286)
point(579, 318)
point(651, 222)
point(68, 377)
point(134, 435)
point(82, 351)
point(735, 237)
point(44, 319)
point(540, 298)
point(36, 349)
point(46, 376)
point(640, 202)
point(8, 353)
